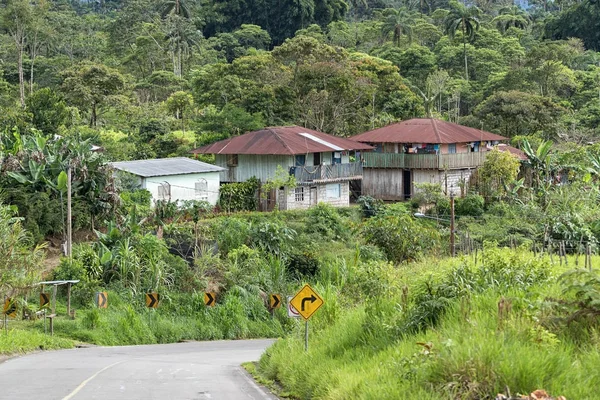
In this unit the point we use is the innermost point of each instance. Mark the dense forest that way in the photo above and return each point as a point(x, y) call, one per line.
point(152, 78)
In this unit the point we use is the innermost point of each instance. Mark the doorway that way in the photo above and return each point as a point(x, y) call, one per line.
point(407, 184)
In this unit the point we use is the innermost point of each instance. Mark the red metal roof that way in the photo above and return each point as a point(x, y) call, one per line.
point(425, 130)
point(520, 154)
point(286, 140)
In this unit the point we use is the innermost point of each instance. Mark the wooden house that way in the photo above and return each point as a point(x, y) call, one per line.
point(324, 165)
point(423, 150)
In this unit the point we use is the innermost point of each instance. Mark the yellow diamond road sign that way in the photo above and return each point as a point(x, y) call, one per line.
point(307, 301)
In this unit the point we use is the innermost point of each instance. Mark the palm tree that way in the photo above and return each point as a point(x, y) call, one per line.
point(466, 20)
point(511, 16)
point(399, 23)
point(177, 15)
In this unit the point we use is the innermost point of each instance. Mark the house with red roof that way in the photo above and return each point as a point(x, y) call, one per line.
point(324, 166)
point(423, 150)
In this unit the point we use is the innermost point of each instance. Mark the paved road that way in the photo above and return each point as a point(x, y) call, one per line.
point(181, 371)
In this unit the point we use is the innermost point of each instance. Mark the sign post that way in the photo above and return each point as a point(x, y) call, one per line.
point(306, 302)
point(9, 310)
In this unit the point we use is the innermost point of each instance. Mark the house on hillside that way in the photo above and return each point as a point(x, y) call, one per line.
point(423, 150)
point(175, 179)
point(325, 166)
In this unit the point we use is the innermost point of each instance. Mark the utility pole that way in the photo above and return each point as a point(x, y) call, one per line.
point(452, 247)
point(69, 223)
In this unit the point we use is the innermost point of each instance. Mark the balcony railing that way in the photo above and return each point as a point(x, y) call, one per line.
point(328, 172)
point(424, 161)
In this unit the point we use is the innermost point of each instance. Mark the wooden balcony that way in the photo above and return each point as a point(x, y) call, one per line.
point(424, 161)
point(328, 172)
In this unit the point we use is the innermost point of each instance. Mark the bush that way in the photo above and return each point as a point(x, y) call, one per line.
point(324, 220)
point(399, 237)
point(239, 196)
point(471, 205)
point(369, 206)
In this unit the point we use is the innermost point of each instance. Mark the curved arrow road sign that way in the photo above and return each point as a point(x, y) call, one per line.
point(307, 301)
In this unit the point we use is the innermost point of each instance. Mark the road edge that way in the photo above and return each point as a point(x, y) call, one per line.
point(276, 390)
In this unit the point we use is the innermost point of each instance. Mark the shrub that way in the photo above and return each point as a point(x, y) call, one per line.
point(369, 206)
point(399, 237)
point(272, 237)
point(471, 205)
point(303, 264)
point(324, 220)
point(239, 196)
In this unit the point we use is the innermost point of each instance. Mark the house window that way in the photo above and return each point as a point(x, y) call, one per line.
point(299, 194)
point(300, 160)
point(474, 147)
point(232, 160)
point(333, 190)
point(452, 148)
point(164, 191)
point(317, 159)
point(201, 189)
point(336, 157)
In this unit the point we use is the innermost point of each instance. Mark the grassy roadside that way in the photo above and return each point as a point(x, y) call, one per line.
point(19, 341)
point(178, 318)
point(466, 349)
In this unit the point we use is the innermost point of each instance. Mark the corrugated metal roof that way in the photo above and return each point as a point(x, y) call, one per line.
point(165, 166)
point(425, 130)
point(520, 154)
point(286, 140)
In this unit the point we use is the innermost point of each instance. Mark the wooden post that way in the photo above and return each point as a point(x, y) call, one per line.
point(68, 299)
point(54, 299)
point(452, 248)
point(69, 216)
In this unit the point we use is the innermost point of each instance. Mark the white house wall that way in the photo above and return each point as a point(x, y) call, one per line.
point(183, 186)
point(289, 201)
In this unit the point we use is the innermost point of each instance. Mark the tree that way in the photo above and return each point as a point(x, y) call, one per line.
point(49, 111)
point(517, 113)
point(499, 169)
point(464, 19)
point(180, 103)
point(89, 85)
point(511, 17)
point(21, 261)
point(16, 19)
point(398, 23)
point(539, 160)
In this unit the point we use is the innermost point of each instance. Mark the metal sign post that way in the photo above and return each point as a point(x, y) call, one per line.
point(306, 302)
point(306, 335)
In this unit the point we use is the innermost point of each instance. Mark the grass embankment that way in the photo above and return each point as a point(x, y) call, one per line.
point(466, 333)
point(240, 315)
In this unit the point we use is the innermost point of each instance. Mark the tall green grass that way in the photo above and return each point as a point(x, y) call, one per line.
point(469, 351)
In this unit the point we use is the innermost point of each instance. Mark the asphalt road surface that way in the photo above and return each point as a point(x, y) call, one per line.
point(193, 370)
